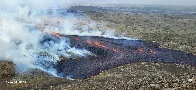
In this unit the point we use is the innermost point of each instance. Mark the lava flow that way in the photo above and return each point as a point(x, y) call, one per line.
point(104, 49)
point(51, 33)
point(97, 44)
point(129, 51)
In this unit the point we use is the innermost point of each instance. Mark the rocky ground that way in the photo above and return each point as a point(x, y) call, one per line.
point(170, 31)
point(7, 69)
point(140, 76)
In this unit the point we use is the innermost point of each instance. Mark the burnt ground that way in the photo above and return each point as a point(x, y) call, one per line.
point(136, 75)
point(110, 53)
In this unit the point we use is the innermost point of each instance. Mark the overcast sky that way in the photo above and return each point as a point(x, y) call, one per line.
point(10, 3)
point(159, 2)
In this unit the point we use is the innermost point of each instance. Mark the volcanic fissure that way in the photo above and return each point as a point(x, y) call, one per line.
point(109, 53)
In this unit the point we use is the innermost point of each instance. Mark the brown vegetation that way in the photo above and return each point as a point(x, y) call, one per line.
point(7, 69)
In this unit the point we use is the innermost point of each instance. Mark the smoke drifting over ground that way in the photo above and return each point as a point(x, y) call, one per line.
point(22, 42)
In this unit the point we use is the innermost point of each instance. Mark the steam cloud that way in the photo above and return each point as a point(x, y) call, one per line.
point(22, 43)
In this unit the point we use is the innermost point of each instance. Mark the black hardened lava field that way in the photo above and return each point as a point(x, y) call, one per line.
point(109, 53)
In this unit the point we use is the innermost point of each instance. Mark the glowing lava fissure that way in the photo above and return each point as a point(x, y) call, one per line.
point(51, 33)
point(129, 51)
point(95, 43)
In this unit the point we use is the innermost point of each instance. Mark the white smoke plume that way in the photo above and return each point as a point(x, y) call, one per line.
point(20, 40)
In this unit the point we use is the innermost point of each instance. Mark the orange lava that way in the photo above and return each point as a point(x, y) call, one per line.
point(89, 42)
point(56, 34)
point(100, 45)
point(151, 51)
point(140, 49)
point(97, 44)
point(52, 33)
point(76, 38)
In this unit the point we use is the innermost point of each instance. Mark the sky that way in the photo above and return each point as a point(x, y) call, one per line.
point(12, 3)
point(156, 2)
